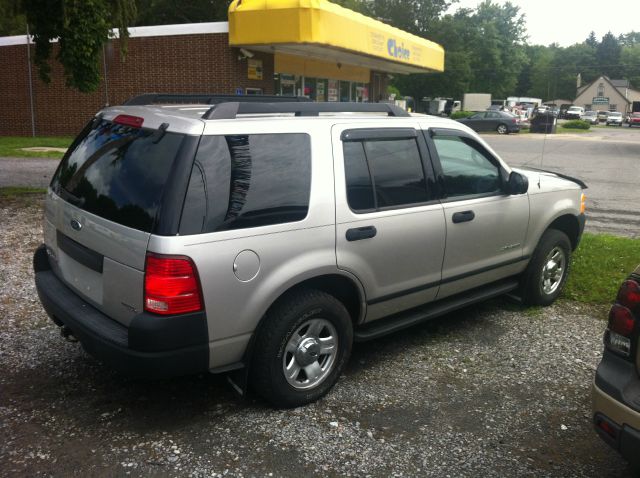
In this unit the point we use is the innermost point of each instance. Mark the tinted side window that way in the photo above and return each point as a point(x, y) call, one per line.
point(383, 173)
point(243, 181)
point(466, 168)
point(397, 172)
point(359, 186)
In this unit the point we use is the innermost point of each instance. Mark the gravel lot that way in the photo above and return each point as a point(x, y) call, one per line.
point(496, 390)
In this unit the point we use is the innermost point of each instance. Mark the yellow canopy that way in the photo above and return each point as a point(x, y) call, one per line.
point(322, 30)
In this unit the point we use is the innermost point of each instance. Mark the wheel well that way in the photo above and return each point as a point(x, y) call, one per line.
point(569, 225)
point(338, 286)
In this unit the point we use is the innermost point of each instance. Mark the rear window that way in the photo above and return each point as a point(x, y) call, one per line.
point(118, 172)
point(244, 181)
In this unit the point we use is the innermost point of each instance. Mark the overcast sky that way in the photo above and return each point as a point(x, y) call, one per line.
point(569, 21)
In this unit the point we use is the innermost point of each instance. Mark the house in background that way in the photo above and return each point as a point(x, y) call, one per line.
point(608, 95)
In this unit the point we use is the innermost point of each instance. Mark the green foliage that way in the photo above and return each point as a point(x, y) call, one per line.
point(166, 12)
point(484, 52)
point(608, 56)
point(599, 266)
point(12, 19)
point(576, 124)
point(82, 28)
point(461, 114)
point(630, 60)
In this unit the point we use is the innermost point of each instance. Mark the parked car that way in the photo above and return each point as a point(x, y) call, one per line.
point(590, 117)
point(614, 118)
point(562, 114)
point(499, 121)
point(634, 119)
point(574, 112)
point(262, 239)
point(616, 389)
point(602, 115)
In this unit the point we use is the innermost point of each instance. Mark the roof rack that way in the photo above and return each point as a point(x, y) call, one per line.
point(231, 109)
point(207, 99)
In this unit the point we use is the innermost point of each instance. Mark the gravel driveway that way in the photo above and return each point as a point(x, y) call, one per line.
point(496, 390)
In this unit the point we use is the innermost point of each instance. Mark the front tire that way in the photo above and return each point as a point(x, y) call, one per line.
point(547, 272)
point(301, 349)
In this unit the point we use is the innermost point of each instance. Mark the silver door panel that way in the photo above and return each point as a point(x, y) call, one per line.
point(495, 236)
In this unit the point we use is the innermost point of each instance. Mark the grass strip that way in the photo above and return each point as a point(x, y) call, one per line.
point(11, 146)
point(600, 264)
point(15, 192)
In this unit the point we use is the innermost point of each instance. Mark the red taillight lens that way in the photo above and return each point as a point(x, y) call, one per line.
point(129, 120)
point(171, 285)
point(621, 320)
point(629, 294)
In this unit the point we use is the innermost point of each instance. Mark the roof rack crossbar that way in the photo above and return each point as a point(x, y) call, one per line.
point(226, 111)
point(206, 99)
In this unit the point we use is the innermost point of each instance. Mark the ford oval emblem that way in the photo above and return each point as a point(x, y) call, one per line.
point(75, 225)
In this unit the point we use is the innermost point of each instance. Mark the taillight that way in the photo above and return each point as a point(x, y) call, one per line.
point(171, 285)
point(622, 321)
point(128, 120)
point(629, 294)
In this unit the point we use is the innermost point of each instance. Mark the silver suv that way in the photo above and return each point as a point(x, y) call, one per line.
point(263, 239)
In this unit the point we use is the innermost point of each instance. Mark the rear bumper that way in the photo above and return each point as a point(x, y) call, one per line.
point(626, 438)
point(151, 347)
point(616, 400)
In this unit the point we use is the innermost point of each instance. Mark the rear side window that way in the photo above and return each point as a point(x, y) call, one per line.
point(118, 172)
point(242, 181)
point(383, 173)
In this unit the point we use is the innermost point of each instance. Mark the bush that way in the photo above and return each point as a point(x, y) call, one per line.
point(576, 124)
point(461, 114)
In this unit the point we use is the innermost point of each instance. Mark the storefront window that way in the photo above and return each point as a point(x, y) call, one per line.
point(332, 90)
point(345, 91)
point(287, 85)
point(320, 89)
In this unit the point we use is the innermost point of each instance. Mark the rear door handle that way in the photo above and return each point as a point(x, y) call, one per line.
point(463, 216)
point(360, 233)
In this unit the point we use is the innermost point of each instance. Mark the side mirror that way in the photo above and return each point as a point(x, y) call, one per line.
point(518, 183)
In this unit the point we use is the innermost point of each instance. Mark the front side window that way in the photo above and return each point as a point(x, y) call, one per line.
point(467, 169)
point(384, 173)
point(242, 181)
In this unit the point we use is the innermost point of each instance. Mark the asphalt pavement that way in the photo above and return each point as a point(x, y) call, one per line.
point(607, 159)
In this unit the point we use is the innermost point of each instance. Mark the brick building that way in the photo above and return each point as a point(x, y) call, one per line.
point(319, 50)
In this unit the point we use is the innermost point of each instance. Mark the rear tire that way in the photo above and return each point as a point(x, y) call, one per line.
point(502, 129)
point(301, 349)
point(547, 272)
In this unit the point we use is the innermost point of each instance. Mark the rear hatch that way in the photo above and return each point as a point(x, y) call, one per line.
point(103, 204)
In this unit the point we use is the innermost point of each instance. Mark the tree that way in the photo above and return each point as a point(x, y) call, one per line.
point(608, 56)
point(12, 19)
point(166, 12)
point(591, 40)
point(629, 39)
point(630, 60)
point(82, 28)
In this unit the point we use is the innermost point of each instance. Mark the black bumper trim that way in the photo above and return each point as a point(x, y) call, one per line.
point(626, 442)
point(618, 378)
point(112, 343)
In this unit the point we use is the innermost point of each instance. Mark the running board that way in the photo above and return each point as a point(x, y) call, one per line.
point(432, 310)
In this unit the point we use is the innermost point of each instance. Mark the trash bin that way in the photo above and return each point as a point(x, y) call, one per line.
point(544, 122)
